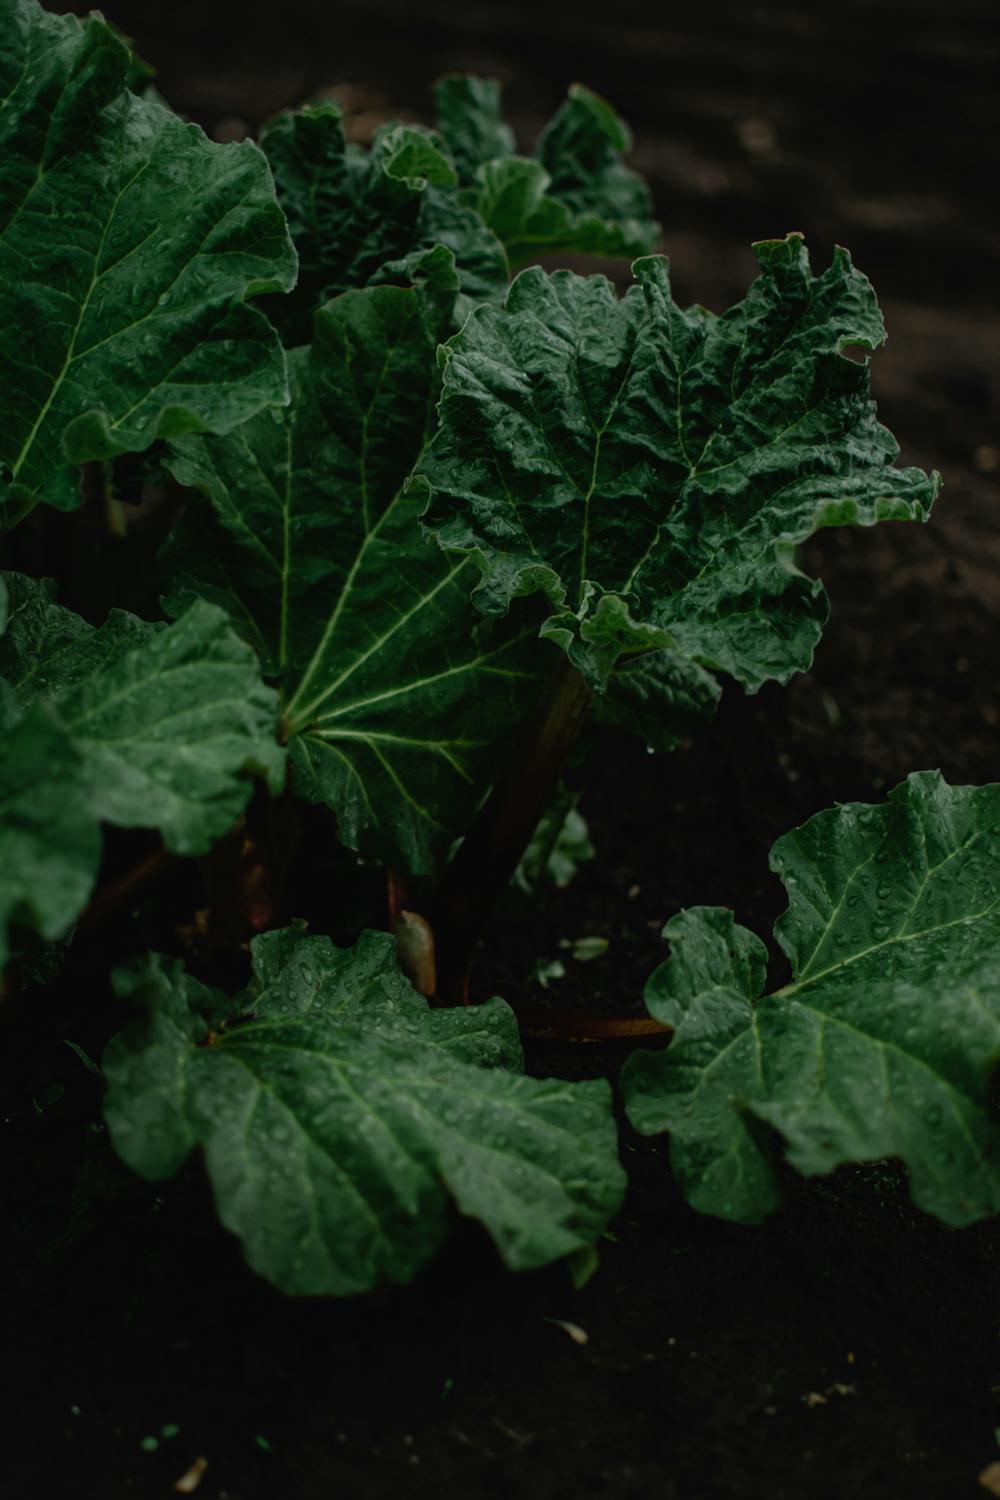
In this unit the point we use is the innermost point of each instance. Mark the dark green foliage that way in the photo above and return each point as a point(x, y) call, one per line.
point(884, 1043)
point(398, 488)
point(339, 1114)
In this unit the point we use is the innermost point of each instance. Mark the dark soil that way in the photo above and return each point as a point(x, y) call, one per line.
point(849, 1347)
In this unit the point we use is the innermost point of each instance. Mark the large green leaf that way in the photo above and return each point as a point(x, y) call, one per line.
point(359, 217)
point(164, 721)
point(653, 470)
point(128, 246)
point(397, 693)
point(576, 195)
point(340, 1116)
point(885, 1042)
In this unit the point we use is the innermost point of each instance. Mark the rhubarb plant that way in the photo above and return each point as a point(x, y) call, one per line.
point(423, 516)
point(359, 217)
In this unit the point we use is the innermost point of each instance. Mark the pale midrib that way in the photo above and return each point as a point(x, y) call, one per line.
point(139, 684)
point(264, 1086)
point(896, 940)
point(370, 739)
point(695, 473)
point(882, 1044)
point(901, 935)
point(476, 663)
point(885, 1045)
point(598, 437)
point(585, 540)
point(403, 790)
point(501, 1102)
point(302, 715)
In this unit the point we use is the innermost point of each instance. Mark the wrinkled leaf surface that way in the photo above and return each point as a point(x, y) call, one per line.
point(129, 243)
point(653, 470)
point(341, 1117)
point(885, 1042)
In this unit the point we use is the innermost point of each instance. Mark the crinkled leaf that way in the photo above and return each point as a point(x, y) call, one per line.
point(128, 246)
point(884, 1044)
point(397, 693)
point(340, 1116)
point(360, 217)
point(654, 470)
point(582, 149)
point(470, 120)
point(166, 721)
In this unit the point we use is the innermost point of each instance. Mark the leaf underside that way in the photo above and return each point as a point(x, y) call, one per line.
point(341, 1117)
point(397, 694)
point(121, 318)
point(885, 1042)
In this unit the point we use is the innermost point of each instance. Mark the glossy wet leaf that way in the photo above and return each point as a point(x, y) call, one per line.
point(885, 1042)
point(653, 470)
point(343, 1120)
point(398, 696)
point(168, 723)
point(129, 244)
